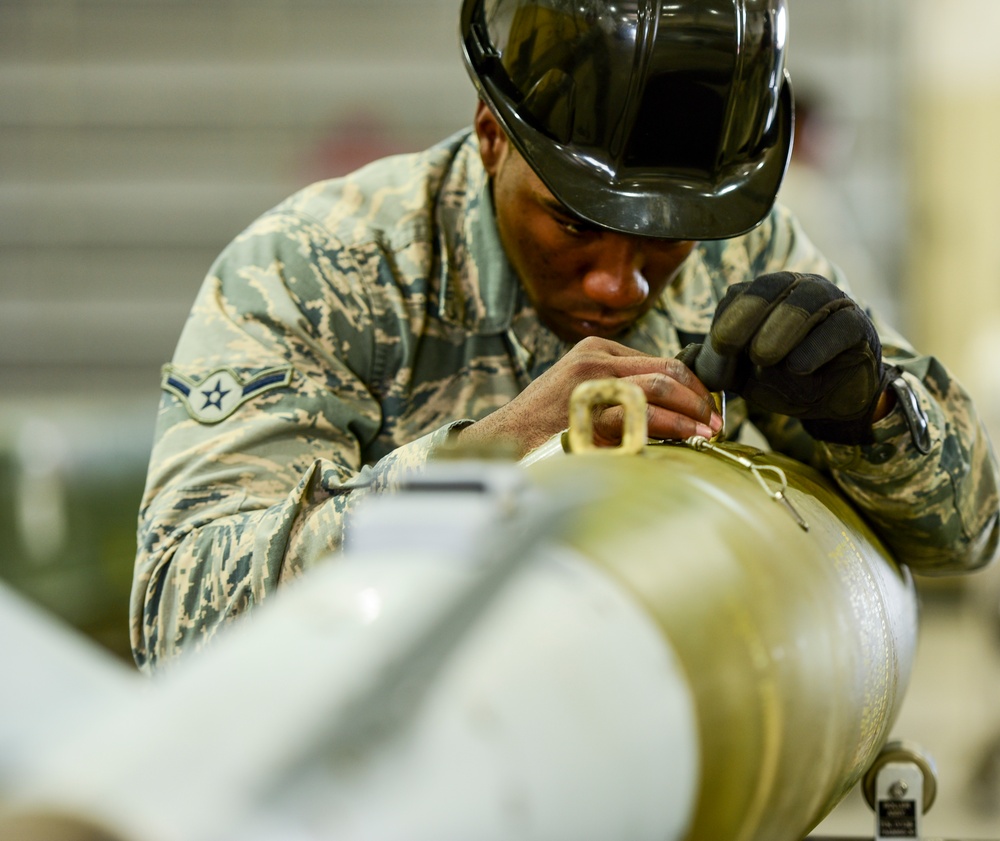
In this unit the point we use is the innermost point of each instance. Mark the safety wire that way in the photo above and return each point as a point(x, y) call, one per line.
point(697, 442)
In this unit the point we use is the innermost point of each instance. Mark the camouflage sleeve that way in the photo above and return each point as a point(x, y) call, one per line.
point(267, 410)
point(937, 511)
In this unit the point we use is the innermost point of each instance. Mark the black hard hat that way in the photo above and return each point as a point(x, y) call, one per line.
point(656, 118)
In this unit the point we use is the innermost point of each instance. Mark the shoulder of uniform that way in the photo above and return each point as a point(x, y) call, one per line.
point(389, 199)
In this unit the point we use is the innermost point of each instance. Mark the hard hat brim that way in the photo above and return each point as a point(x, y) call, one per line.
point(666, 205)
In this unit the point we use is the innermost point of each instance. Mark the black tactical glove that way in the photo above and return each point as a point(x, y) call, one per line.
point(797, 345)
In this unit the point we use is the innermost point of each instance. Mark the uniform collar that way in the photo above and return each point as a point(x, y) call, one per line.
point(478, 290)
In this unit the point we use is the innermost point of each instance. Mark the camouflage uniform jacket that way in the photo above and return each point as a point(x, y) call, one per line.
point(340, 338)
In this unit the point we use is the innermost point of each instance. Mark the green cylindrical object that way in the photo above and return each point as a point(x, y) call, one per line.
point(798, 643)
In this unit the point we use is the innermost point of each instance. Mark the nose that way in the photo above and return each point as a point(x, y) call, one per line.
point(614, 279)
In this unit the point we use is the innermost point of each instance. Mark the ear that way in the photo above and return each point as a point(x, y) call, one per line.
point(493, 140)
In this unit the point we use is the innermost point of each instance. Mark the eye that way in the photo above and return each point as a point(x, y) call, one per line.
point(574, 227)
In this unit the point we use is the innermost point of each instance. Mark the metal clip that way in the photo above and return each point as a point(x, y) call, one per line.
point(697, 442)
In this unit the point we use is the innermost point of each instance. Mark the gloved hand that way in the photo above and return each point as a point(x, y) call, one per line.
point(797, 345)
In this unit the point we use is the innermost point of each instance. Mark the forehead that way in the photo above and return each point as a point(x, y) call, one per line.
point(515, 166)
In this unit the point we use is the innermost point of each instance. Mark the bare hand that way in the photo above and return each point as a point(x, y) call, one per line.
point(678, 404)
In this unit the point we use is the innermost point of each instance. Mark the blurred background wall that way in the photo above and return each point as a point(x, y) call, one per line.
point(137, 137)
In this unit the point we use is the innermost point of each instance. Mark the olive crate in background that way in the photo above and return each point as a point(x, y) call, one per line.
point(71, 479)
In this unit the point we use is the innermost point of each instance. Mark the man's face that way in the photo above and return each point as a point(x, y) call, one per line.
point(581, 279)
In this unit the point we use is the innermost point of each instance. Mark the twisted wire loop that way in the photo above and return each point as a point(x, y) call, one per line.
point(702, 444)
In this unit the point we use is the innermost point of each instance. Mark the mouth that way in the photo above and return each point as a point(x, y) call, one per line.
point(604, 328)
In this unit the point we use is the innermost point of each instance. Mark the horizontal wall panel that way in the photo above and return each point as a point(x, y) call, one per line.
point(142, 332)
point(213, 94)
point(196, 30)
point(128, 213)
point(101, 273)
point(294, 156)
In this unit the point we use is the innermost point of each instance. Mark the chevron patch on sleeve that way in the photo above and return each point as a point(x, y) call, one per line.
point(221, 392)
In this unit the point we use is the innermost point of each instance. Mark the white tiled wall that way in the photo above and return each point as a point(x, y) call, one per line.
point(137, 138)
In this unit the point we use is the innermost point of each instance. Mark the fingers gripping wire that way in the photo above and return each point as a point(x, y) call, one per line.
point(701, 444)
point(630, 397)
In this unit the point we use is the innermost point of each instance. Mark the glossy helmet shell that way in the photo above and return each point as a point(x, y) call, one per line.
point(654, 118)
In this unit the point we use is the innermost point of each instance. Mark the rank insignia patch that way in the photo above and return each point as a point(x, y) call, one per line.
point(216, 396)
